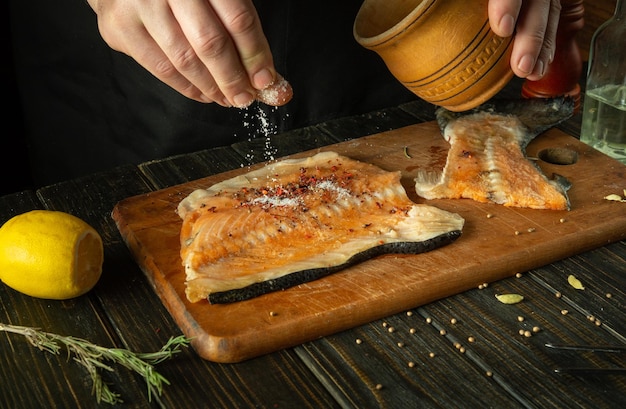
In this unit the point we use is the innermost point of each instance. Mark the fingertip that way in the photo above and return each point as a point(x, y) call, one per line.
point(243, 100)
point(525, 65)
point(262, 79)
point(506, 26)
point(277, 94)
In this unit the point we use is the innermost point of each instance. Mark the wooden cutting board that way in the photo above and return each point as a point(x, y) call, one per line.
point(497, 242)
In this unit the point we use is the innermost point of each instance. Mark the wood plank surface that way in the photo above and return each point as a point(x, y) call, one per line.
point(489, 249)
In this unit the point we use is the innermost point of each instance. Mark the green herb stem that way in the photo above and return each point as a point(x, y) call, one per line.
point(94, 357)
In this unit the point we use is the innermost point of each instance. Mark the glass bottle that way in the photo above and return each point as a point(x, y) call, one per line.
point(604, 110)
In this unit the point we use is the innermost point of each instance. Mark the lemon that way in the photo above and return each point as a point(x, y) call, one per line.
point(50, 254)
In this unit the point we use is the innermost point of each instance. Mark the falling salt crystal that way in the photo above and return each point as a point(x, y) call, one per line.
point(257, 121)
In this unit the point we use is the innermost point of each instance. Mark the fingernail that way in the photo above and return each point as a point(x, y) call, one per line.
point(243, 100)
point(507, 25)
point(263, 79)
point(526, 64)
point(540, 68)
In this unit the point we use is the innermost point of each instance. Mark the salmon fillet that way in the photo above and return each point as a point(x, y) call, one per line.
point(486, 161)
point(298, 220)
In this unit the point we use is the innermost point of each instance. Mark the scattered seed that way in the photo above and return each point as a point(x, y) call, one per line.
point(536, 329)
point(509, 298)
point(273, 313)
point(528, 334)
point(531, 229)
point(412, 330)
point(385, 325)
point(564, 312)
point(457, 345)
point(453, 321)
point(521, 332)
point(614, 197)
point(391, 329)
point(591, 318)
point(409, 313)
point(489, 374)
point(598, 323)
point(518, 275)
point(432, 354)
point(517, 232)
point(557, 294)
point(520, 318)
point(609, 295)
point(400, 344)
point(574, 282)
point(471, 339)
point(442, 332)
point(359, 341)
point(406, 152)
point(561, 220)
point(411, 364)
point(429, 320)
point(489, 215)
point(462, 350)
point(379, 386)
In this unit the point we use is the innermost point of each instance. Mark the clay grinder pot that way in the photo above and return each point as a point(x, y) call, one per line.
point(442, 50)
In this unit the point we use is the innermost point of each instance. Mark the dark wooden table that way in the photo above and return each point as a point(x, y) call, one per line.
point(481, 360)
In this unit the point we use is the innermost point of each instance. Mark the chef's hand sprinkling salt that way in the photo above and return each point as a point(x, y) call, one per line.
point(277, 94)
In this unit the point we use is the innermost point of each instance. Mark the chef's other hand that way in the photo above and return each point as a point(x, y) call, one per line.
point(535, 23)
point(208, 50)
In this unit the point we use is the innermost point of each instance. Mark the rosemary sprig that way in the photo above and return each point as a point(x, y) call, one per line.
point(93, 358)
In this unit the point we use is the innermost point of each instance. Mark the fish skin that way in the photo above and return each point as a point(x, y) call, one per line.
point(487, 161)
point(305, 276)
point(536, 114)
